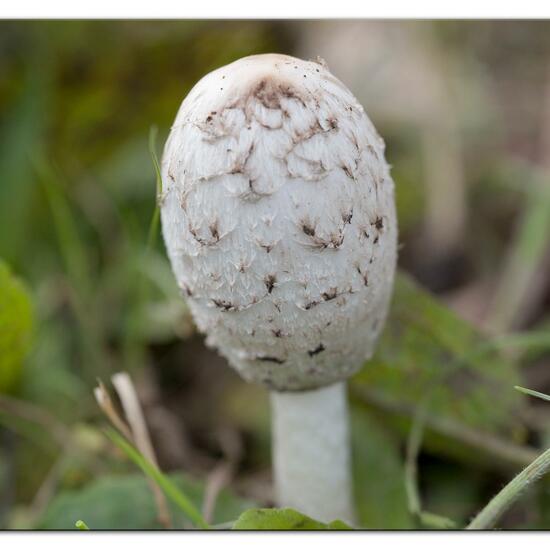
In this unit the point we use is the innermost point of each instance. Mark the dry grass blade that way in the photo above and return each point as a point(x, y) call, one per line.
point(132, 409)
point(106, 405)
point(130, 402)
point(49, 485)
point(216, 481)
point(222, 474)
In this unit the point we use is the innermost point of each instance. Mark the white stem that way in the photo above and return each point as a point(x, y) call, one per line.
point(311, 452)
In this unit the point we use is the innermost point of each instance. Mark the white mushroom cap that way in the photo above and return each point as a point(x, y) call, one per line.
point(279, 220)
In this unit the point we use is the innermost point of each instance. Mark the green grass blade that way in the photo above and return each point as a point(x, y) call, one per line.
point(170, 490)
point(78, 266)
point(435, 521)
point(414, 445)
point(71, 245)
point(534, 341)
point(153, 227)
point(25, 121)
point(526, 254)
point(533, 393)
point(133, 350)
point(153, 133)
point(489, 516)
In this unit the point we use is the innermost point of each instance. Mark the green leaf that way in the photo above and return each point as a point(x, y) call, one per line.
point(81, 525)
point(126, 502)
point(425, 349)
point(16, 322)
point(378, 474)
point(283, 519)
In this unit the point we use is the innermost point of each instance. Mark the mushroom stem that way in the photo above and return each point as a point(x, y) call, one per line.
point(311, 452)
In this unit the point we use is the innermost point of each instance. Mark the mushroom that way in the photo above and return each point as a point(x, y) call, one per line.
point(279, 221)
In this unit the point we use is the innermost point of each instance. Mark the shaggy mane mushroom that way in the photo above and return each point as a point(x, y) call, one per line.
point(279, 222)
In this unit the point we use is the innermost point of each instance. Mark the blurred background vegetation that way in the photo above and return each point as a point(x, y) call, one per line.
point(464, 108)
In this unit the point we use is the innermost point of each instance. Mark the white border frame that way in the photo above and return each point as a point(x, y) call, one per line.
point(282, 9)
